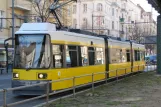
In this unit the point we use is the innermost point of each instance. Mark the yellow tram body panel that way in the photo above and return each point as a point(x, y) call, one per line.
point(121, 69)
point(138, 66)
point(57, 74)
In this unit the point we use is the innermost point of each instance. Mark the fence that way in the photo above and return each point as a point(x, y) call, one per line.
point(73, 88)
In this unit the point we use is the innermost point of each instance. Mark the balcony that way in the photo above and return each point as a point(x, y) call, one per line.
point(122, 32)
point(23, 5)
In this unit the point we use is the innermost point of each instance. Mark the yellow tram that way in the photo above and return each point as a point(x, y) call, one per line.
point(44, 54)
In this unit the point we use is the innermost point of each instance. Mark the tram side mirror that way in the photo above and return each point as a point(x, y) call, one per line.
point(6, 48)
point(5, 41)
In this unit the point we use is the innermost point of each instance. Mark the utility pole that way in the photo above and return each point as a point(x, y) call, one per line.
point(99, 25)
point(151, 20)
point(92, 22)
point(126, 32)
point(13, 24)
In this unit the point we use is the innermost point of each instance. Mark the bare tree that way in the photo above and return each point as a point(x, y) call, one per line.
point(41, 8)
point(136, 33)
point(45, 8)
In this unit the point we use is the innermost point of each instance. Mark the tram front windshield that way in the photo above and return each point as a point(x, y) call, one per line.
point(32, 51)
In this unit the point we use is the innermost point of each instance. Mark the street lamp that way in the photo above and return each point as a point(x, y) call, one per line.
point(13, 23)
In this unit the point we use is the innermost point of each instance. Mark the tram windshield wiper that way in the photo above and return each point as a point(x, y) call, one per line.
point(27, 69)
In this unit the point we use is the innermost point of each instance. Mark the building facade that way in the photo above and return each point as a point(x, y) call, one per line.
point(118, 18)
point(21, 8)
point(149, 25)
point(99, 16)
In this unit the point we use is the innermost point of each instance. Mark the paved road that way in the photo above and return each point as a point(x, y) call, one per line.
point(5, 82)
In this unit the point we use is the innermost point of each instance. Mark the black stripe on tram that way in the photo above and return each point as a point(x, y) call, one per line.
point(131, 53)
point(106, 57)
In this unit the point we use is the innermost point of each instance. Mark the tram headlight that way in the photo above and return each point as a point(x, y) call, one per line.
point(15, 75)
point(42, 75)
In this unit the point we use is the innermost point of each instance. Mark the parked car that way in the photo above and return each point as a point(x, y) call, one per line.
point(151, 59)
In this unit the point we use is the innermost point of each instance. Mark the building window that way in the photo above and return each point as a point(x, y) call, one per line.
point(99, 7)
point(75, 23)
point(74, 9)
point(117, 12)
point(69, 11)
point(113, 25)
point(113, 11)
point(100, 20)
point(85, 8)
point(85, 23)
point(1, 20)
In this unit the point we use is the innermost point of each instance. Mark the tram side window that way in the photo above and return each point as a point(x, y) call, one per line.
point(114, 55)
point(72, 56)
point(57, 56)
point(128, 55)
point(99, 56)
point(137, 55)
point(46, 57)
point(91, 55)
point(84, 56)
point(142, 55)
point(123, 58)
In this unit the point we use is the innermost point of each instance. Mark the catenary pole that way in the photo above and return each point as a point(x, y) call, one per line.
point(159, 45)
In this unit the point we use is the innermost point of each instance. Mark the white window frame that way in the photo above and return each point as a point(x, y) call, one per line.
point(74, 9)
point(2, 21)
point(113, 12)
point(113, 25)
point(99, 7)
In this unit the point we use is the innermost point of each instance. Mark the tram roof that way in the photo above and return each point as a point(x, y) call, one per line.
point(48, 28)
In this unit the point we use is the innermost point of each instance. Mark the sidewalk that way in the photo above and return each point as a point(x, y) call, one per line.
point(4, 71)
point(142, 90)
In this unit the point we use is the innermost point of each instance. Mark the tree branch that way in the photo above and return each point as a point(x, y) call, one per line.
point(43, 8)
point(41, 16)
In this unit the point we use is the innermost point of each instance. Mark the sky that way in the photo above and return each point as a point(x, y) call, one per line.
point(147, 7)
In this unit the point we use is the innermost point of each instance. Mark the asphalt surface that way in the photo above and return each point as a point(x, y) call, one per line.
point(5, 82)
